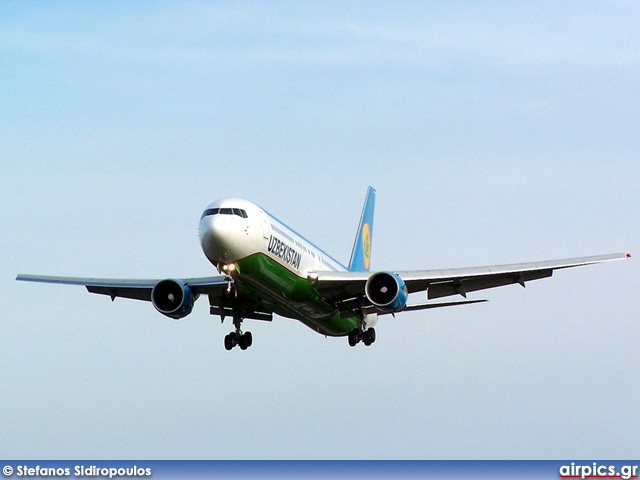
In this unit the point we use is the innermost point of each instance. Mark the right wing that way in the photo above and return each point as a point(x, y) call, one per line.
point(216, 288)
point(127, 288)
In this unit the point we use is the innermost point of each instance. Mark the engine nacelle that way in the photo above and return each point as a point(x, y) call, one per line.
point(173, 298)
point(386, 291)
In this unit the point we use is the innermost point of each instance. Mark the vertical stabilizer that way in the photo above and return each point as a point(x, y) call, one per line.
point(361, 253)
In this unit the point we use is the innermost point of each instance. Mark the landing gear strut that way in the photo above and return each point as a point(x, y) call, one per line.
point(245, 340)
point(361, 333)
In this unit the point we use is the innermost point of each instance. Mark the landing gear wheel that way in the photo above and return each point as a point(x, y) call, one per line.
point(245, 340)
point(369, 336)
point(353, 337)
point(229, 341)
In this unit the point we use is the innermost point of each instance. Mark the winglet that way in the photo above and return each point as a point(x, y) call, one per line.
point(361, 253)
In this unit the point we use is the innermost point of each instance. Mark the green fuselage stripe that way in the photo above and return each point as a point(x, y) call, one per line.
point(291, 295)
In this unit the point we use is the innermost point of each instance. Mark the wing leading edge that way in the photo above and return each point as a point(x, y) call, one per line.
point(126, 288)
point(457, 281)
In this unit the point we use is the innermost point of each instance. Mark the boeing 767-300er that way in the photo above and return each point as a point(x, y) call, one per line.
point(266, 267)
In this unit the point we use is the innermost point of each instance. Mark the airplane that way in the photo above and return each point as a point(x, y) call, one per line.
point(266, 268)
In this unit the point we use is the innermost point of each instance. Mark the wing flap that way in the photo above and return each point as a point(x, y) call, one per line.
point(224, 312)
point(461, 287)
point(123, 292)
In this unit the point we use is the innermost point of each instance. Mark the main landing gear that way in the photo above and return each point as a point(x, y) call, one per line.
point(237, 338)
point(361, 333)
point(357, 335)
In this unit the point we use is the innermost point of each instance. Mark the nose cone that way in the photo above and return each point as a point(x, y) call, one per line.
point(212, 239)
point(222, 238)
point(224, 230)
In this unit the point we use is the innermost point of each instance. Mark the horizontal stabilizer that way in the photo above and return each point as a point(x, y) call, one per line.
point(426, 306)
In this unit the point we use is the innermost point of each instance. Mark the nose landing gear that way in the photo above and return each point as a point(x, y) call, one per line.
point(244, 340)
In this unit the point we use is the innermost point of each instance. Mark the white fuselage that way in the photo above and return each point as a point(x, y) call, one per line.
point(245, 229)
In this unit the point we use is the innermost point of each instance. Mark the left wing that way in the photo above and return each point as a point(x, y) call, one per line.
point(126, 288)
point(342, 286)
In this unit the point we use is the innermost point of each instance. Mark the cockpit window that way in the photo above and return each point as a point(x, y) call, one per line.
point(210, 211)
point(224, 211)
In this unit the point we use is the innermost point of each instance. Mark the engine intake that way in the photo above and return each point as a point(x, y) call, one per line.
point(172, 298)
point(386, 291)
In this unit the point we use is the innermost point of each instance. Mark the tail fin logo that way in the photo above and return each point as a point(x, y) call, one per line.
point(362, 244)
point(366, 245)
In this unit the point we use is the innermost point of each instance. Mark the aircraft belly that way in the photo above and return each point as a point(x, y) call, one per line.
point(294, 296)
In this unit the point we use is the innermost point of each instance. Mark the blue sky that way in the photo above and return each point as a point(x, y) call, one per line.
point(493, 133)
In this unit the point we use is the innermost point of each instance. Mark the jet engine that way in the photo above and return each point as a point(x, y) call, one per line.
point(173, 298)
point(386, 291)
